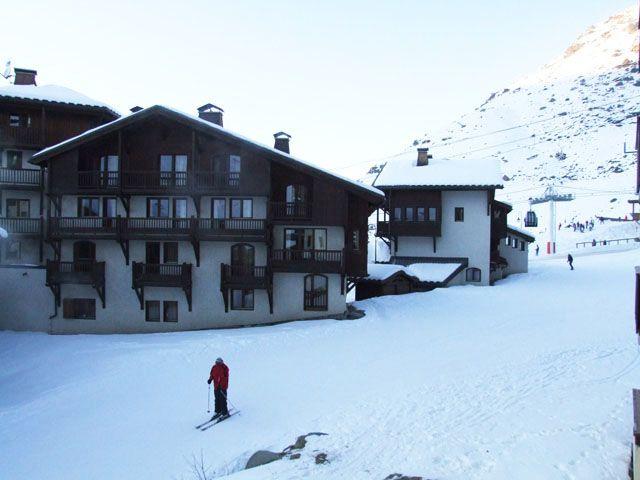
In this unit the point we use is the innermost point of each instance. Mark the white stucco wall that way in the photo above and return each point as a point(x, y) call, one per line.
point(517, 258)
point(470, 238)
point(123, 313)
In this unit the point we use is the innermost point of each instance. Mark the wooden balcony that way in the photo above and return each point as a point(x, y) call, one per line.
point(158, 182)
point(291, 211)
point(21, 178)
point(161, 275)
point(312, 261)
point(21, 136)
point(229, 229)
point(240, 276)
point(24, 227)
point(402, 228)
point(80, 273)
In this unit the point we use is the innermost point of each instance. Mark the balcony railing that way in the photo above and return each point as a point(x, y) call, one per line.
point(157, 181)
point(316, 261)
point(83, 272)
point(21, 136)
point(205, 228)
point(21, 177)
point(161, 275)
point(291, 210)
point(22, 226)
point(242, 276)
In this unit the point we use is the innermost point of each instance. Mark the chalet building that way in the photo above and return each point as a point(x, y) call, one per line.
point(31, 118)
point(163, 221)
point(444, 212)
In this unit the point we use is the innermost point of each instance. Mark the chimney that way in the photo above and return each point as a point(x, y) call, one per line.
point(282, 141)
point(423, 156)
point(24, 76)
point(211, 113)
point(135, 109)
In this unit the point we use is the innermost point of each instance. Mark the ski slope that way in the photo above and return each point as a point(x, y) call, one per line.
point(528, 379)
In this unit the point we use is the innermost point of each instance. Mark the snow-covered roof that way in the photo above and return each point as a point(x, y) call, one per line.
point(51, 93)
point(423, 272)
point(522, 232)
point(70, 143)
point(440, 172)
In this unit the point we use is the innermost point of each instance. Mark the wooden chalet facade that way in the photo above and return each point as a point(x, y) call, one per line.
point(32, 118)
point(166, 221)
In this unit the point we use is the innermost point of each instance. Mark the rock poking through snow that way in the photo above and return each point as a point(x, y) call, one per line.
point(262, 457)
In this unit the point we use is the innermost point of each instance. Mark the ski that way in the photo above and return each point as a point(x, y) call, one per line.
point(215, 417)
point(218, 420)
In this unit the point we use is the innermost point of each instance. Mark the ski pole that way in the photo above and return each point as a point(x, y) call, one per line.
point(209, 399)
point(228, 401)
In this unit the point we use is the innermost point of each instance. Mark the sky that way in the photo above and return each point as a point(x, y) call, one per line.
point(352, 81)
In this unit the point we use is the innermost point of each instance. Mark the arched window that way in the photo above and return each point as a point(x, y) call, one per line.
point(243, 257)
point(474, 275)
point(316, 292)
point(84, 251)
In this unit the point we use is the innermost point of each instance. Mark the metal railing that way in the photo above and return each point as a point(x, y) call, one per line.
point(230, 225)
point(243, 275)
point(158, 180)
point(161, 275)
point(80, 272)
point(613, 241)
point(30, 177)
point(291, 210)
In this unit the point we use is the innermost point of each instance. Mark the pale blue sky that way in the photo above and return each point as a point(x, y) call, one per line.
point(349, 80)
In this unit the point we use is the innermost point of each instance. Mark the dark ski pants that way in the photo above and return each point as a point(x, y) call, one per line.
point(221, 401)
point(571, 265)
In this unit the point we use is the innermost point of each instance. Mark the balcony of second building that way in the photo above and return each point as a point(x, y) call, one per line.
point(288, 212)
point(309, 261)
point(225, 229)
point(77, 272)
point(141, 182)
point(21, 178)
point(244, 276)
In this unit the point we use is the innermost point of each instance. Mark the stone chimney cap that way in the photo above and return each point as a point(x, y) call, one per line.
point(208, 107)
point(281, 135)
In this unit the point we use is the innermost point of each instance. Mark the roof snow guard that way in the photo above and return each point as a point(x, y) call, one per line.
point(405, 172)
point(371, 193)
point(53, 94)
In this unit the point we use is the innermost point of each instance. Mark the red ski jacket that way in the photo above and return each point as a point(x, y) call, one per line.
point(220, 376)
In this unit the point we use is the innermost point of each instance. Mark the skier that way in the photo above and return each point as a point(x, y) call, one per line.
point(220, 377)
point(537, 249)
point(570, 261)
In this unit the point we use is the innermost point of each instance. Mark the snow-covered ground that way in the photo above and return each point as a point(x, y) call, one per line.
point(528, 379)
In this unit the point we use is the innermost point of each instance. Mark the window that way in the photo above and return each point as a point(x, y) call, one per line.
point(296, 194)
point(88, 207)
point(17, 208)
point(243, 255)
point(109, 207)
point(459, 214)
point(152, 253)
point(218, 208)
point(157, 207)
point(14, 251)
point(420, 214)
point(397, 214)
point(242, 299)
point(109, 170)
point(235, 164)
point(180, 207)
point(14, 159)
point(355, 240)
point(170, 252)
point(241, 208)
point(14, 120)
point(316, 292)
point(522, 246)
point(474, 275)
point(84, 251)
point(515, 243)
point(433, 214)
point(305, 239)
point(408, 212)
point(173, 170)
point(170, 311)
point(507, 241)
point(79, 308)
point(152, 311)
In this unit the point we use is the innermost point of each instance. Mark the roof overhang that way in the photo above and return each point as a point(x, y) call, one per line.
point(439, 187)
point(518, 233)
